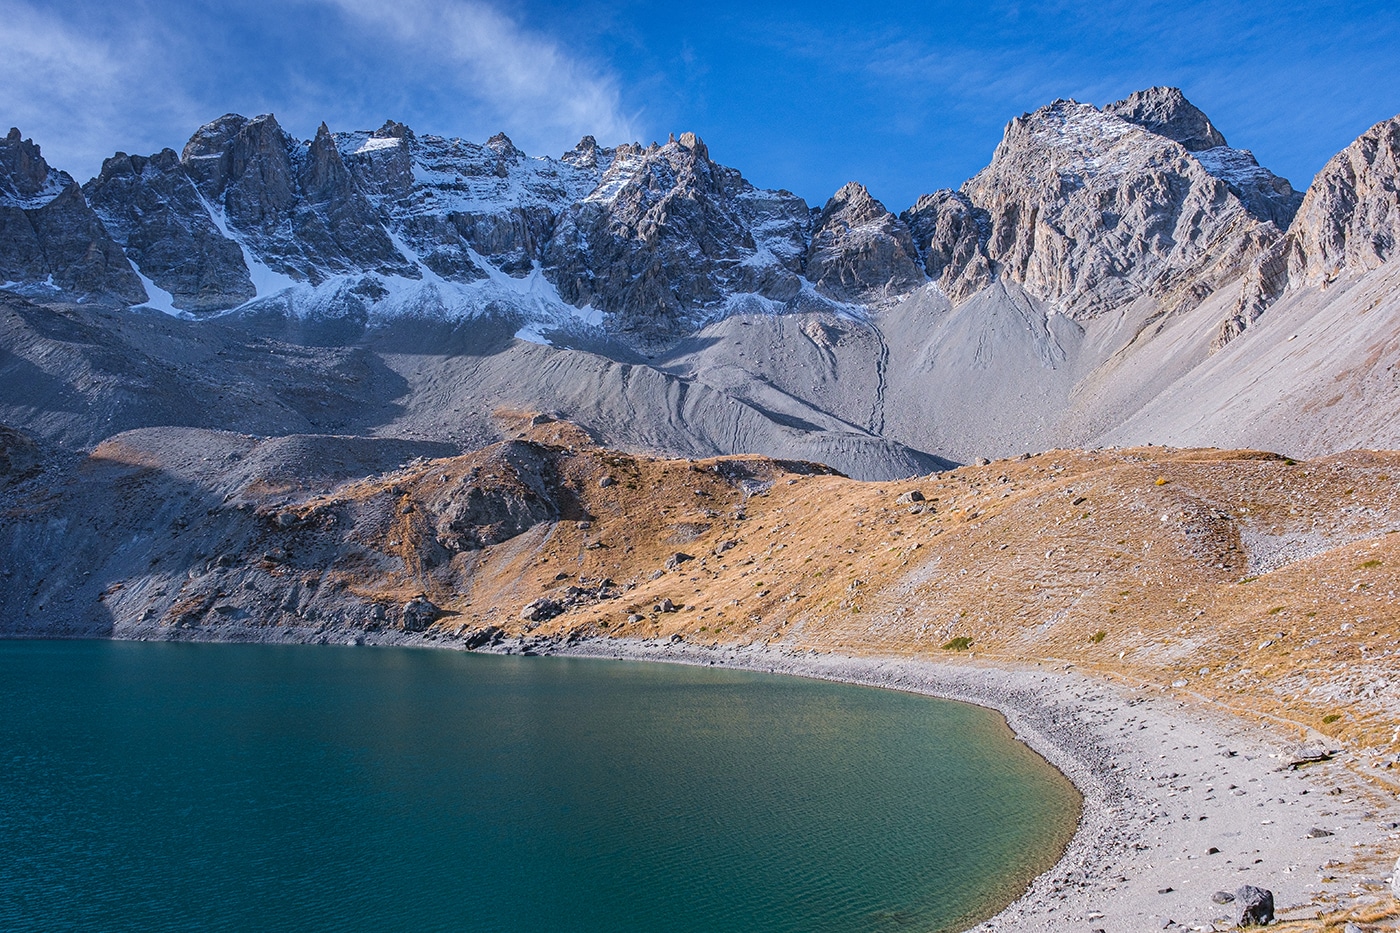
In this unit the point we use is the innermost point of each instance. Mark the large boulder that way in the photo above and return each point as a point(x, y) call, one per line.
point(1255, 906)
point(419, 613)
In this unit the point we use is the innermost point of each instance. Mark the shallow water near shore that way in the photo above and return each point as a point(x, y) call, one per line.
point(163, 787)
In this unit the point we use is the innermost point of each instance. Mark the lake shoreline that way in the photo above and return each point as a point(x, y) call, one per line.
point(1164, 780)
point(1164, 776)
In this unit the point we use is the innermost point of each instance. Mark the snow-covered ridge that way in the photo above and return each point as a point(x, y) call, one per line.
point(644, 242)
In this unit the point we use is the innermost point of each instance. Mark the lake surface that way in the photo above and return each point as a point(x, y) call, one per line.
point(177, 787)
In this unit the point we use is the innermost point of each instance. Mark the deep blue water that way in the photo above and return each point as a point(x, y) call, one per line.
point(177, 787)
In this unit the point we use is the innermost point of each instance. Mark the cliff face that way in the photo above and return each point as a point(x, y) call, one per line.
point(1089, 211)
point(1348, 225)
point(51, 243)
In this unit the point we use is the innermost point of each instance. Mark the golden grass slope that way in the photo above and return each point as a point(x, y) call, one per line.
point(1246, 578)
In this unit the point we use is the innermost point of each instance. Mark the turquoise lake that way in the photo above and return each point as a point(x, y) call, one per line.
point(183, 787)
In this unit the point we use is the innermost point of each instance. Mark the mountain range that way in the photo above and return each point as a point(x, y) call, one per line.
point(1115, 275)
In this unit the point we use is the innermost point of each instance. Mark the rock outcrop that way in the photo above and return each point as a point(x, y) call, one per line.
point(1348, 224)
point(52, 245)
point(670, 238)
point(1165, 111)
point(860, 252)
point(154, 210)
point(951, 234)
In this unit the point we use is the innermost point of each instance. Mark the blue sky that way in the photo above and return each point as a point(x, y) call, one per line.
point(907, 99)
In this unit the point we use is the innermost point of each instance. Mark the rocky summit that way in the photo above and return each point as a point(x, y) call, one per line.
point(1108, 273)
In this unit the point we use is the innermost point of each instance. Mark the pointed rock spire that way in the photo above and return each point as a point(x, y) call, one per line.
point(324, 176)
point(860, 251)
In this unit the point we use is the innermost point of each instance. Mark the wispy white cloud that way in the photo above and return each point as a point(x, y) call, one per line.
point(82, 95)
point(85, 79)
point(523, 78)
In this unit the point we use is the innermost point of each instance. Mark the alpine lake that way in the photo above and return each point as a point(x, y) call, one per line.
point(218, 787)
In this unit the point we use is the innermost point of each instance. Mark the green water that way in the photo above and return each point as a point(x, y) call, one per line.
point(178, 787)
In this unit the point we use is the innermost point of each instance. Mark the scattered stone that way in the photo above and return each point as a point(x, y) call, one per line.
point(284, 519)
point(1223, 897)
point(607, 481)
point(664, 606)
point(1212, 851)
point(1308, 757)
point(725, 546)
point(1256, 906)
point(910, 497)
point(1318, 833)
point(275, 555)
point(490, 635)
point(634, 618)
point(419, 613)
point(1166, 890)
point(1395, 880)
point(676, 559)
point(542, 609)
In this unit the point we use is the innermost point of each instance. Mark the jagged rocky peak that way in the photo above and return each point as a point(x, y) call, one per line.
point(585, 155)
point(152, 208)
point(503, 147)
point(52, 245)
point(950, 233)
point(324, 175)
point(1165, 111)
point(860, 251)
point(1348, 224)
point(1088, 212)
point(26, 180)
point(669, 238)
point(392, 129)
point(219, 155)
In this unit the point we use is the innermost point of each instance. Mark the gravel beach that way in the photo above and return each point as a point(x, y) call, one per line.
point(1181, 800)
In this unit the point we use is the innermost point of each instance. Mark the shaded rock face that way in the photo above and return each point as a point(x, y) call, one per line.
point(951, 233)
point(1165, 111)
point(153, 208)
point(860, 252)
point(668, 236)
point(297, 205)
point(52, 245)
point(19, 456)
point(513, 491)
point(1348, 224)
point(1089, 212)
